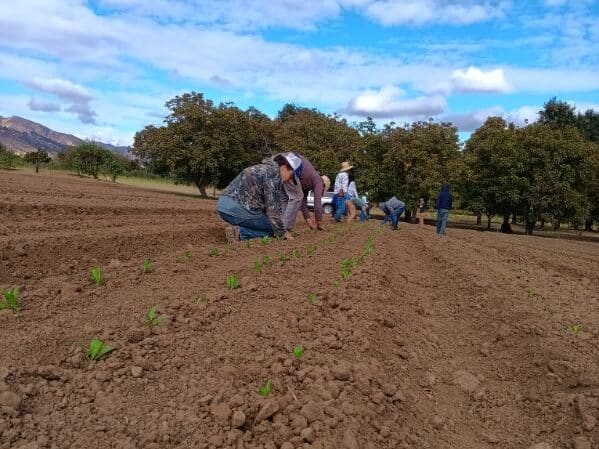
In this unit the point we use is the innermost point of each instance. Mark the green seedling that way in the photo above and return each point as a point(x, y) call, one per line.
point(265, 260)
point(147, 266)
point(264, 390)
point(249, 243)
point(298, 352)
point(576, 328)
point(97, 349)
point(345, 273)
point(531, 294)
point(282, 258)
point(96, 276)
point(213, 252)
point(199, 299)
point(186, 256)
point(153, 318)
point(266, 240)
point(228, 247)
point(232, 282)
point(312, 298)
point(258, 266)
point(311, 250)
point(336, 284)
point(296, 253)
point(11, 300)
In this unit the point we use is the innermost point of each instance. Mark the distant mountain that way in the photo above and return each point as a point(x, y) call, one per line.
point(22, 136)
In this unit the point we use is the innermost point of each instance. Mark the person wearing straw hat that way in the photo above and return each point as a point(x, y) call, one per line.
point(341, 191)
point(306, 178)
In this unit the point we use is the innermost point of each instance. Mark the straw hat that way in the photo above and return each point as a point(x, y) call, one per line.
point(327, 182)
point(345, 166)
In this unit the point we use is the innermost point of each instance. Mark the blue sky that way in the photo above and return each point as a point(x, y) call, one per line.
point(103, 69)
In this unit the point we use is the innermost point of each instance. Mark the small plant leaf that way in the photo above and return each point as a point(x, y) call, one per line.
point(298, 352)
point(97, 349)
point(264, 390)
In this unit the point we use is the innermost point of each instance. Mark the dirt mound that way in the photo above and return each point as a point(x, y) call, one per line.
point(478, 340)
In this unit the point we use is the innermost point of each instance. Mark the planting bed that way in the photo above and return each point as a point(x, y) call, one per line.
point(478, 340)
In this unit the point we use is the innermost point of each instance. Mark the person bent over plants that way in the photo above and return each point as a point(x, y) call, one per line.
point(253, 203)
point(392, 208)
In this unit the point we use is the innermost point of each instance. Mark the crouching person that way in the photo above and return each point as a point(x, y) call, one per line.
point(392, 208)
point(254, 202)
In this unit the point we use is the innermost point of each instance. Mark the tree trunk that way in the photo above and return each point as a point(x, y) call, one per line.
point(529, 227)
point(37, 168)
point(201, 187)
point(479, 219)
point(542, 225)
point(489, 221)
point(556, 225)
point(588, 225)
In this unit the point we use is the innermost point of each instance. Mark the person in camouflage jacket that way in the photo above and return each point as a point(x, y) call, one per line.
point(254, 202)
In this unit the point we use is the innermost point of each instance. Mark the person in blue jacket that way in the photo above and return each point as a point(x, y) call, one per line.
point(392, 208)
point(443, 206)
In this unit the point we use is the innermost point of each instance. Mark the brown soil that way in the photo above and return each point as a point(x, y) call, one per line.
point(461, 342)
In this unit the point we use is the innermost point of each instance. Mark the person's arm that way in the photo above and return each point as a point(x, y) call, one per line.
point(294, 202)
point(345, 182)
point(352, 191)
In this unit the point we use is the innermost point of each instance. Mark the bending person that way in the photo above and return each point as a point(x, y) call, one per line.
point(253, 203)
point(357, 201)
point(392, 208)
point(305, 179)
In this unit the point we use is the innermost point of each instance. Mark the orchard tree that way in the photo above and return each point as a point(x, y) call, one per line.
point(37, 158)
point(8, 159)
point(494, 180)
point(203, 144)
point(323, 139)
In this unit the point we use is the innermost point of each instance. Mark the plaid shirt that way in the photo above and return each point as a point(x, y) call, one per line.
point(259, 188)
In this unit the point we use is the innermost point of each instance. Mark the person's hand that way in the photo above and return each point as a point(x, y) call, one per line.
point(288, 236)
point(311, 223)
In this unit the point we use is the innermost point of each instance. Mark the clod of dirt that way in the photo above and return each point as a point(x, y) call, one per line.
point(49, 372)
point(581, 443)
point(541, 446)
point(308, 434)
point(287, 445)
point(20, 251)
point(341, 371)
point(136, 371)
point(312, 412)
point(269, 408)
point(221, 413)
point(588, 420)
point(115, 264)
point(238, 419)
point(10, 399)
point(466, 381)
point(350, 441)
point(389, 389)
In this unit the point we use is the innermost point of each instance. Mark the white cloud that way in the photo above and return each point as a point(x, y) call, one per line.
point(418, 12)
point(473, 79)
point(44, 106)
point(77, 96)
point(388, 102)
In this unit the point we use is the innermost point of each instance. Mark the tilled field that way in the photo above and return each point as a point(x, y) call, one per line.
point(478, 340)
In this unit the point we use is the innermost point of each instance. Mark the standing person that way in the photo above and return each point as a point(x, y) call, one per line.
point(392, 208)
point(305, 178)
point(253, 203)
point(420, 213)
point(443, 206)
point(341, 191)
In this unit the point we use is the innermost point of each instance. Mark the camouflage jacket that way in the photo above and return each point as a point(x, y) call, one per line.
point(259, 188)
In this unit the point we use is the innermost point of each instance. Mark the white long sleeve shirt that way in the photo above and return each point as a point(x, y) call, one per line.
point(341, 182)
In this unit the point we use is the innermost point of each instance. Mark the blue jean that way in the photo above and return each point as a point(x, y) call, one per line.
point(442, 216)
point(393, 217)
point(339, 206)
point(251, 224)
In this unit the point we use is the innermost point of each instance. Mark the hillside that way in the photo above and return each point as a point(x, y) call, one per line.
point(21, 136)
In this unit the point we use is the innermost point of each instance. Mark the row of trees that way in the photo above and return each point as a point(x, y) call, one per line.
point(544, 171)
point(87, 158)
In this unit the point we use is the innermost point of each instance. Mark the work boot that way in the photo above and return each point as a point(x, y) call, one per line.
point(232, 233)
